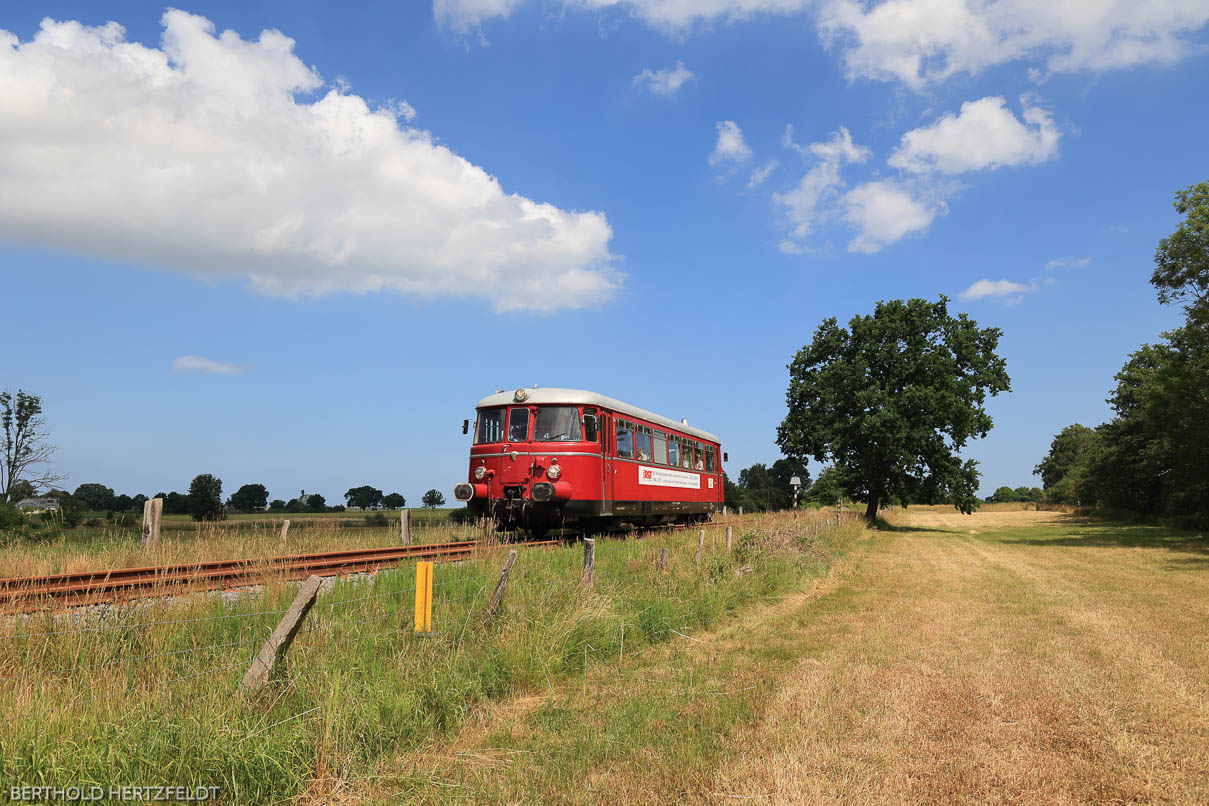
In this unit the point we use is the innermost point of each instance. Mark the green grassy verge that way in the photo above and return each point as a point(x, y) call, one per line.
point(154, 703)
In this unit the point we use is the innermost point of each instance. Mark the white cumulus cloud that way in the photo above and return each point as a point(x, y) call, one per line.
point(731, 145)
point(1006, 290)
point(225, 157)
point(760, 174)
point(1067, 262)
point(670, 16)
point(666, 81)
point(812, 199)
point(884, 212)
point(984, 134)
point(195, 363)
point(924, 41)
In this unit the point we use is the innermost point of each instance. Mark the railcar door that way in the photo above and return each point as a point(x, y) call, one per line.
point(607, 449)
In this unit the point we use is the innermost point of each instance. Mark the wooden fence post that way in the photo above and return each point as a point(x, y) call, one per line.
point(153, 510)
point(498, 594)
point(405, 528)
point(740, 512)
point(729, 536)
point(724, 510)
point(282, 637)
point(661, 563)
point(589, 561)
point(700, 544)
point(285, 529)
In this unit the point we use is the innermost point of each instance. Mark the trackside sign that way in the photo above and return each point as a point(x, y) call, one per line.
point(663, 477)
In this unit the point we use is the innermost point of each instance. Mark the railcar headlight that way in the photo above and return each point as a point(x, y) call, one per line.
point(553, 472)
point(480, 472)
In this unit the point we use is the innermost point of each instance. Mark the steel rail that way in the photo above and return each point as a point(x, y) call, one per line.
point(115, 584)
point(95, 587)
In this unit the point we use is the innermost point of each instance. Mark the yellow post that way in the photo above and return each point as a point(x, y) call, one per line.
point(424, 597)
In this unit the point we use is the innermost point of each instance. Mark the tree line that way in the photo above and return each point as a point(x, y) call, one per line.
point(204, 500)
point(1152, 456)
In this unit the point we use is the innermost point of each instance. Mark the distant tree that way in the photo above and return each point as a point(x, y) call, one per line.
point(433, 499)
point(93, 497)
point(205, 498)
point(1181, 272)
point(249, 498)
point(394, 501)
point(735, 496)
point(892, 399)
point(276, 505)
point(364, 497)
point(295, 505)
point(123, 503)
point(25, 449)
point(827, 489)
point(21, 490)
point(785, 469)
point(174, 503)
point(138, 501)
point(1065, 464)
point(315, 503)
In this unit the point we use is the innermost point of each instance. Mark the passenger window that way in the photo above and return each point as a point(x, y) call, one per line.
point(673, 451)
point(556, 424)
point(645, 451)
point(709, 458)
point(491, 426)
point(625, 440)
point(518, 425)
point(591, 424)
point(699, 456)
point(660, 449)
point(686, 455)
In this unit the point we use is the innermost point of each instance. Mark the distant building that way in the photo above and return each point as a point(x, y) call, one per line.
point(32, 505)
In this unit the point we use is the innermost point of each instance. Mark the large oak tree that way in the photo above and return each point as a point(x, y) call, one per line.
point(891, 400)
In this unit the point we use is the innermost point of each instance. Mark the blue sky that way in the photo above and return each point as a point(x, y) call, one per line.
point(301, 263)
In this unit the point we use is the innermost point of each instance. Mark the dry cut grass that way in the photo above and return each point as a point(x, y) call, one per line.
point(1010, 657)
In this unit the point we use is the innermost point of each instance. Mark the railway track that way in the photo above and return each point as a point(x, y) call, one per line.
point(110, 585)
point(26, 594)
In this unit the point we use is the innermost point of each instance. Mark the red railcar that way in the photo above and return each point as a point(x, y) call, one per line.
point(547, 458)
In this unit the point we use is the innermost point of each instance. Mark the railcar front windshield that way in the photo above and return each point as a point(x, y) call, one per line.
point(557, 424)
point(491, 426)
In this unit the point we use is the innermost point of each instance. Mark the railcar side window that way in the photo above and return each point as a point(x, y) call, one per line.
point(698, 456)
point(591, 426)
point(709, 458)
point(686, 455)
point(491, 426)
point(625, 440)
point(673, 451)
point(556, 424)
point(518, 425)
point(645, 451)
point(660, 455)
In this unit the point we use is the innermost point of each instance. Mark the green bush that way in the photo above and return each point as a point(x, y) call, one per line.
point(462, 516)
point(376, 519)
point(10, 518)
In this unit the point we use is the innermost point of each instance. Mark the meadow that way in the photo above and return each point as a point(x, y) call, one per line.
point(1009, 657)
point(150, 695)
point(183, 540)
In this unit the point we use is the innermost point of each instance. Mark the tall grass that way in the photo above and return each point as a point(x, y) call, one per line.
point(88, 549)
point(150, 698)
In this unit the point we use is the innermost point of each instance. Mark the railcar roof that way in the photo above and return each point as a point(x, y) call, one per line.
point(578, 397)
